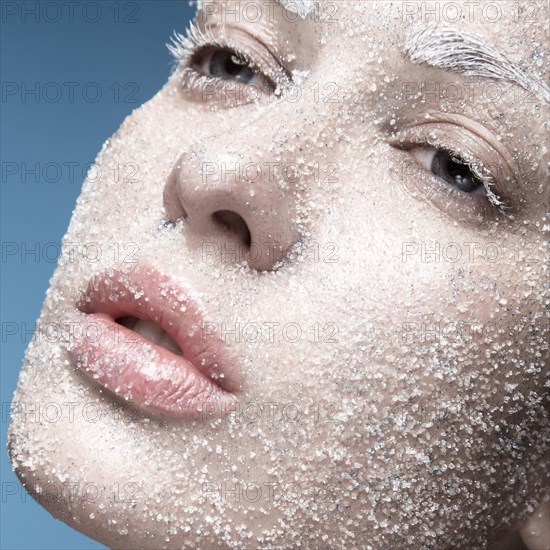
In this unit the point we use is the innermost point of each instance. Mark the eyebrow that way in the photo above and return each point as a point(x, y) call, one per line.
point(450, 49)
point(302, 7)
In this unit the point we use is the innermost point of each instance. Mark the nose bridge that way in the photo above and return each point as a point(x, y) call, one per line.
point(238, 186)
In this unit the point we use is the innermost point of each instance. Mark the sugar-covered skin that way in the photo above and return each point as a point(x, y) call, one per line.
point(357, 425)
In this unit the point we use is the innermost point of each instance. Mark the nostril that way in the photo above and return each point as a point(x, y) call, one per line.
point(231, 221)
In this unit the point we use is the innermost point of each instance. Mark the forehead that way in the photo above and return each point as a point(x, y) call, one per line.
point(520, 28)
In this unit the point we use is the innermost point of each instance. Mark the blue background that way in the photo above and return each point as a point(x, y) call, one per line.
point(96, 46)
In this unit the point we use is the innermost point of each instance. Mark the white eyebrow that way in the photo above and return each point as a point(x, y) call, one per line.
point(302, 7)
point(448, 48)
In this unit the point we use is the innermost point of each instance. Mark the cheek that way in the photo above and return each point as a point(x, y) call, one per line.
point(431, 313)
point(131, 170)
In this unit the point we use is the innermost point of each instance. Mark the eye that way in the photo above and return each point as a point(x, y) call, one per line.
point(229, 65)
point(449, 168)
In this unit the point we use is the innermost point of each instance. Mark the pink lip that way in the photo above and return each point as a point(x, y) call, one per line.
point(202, 381)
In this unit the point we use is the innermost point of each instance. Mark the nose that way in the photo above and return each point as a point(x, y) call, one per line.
point(240, 200)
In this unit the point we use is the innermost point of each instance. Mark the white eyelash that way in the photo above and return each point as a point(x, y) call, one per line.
point(477, 171)
point(487, 182)
point(182, 46)
point(195, 80)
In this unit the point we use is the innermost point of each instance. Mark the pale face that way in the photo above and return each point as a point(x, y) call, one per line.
point(347, 254)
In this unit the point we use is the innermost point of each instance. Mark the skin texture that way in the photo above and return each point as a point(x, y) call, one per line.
point(415, 414)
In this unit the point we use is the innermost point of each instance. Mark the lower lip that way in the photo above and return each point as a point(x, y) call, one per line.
point(137, 370)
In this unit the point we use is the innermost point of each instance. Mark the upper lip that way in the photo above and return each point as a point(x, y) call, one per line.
point(163, 381)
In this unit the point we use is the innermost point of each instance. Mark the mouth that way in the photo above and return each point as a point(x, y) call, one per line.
point(150, 331)
point(142, 337)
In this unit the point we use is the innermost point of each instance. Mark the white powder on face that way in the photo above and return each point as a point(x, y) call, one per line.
point(301, 7)
point(370, 436)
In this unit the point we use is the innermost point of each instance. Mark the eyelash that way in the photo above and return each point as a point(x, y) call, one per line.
point(185, 49)
point(494, 199)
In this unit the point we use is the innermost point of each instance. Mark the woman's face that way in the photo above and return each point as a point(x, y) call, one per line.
point(339, 220)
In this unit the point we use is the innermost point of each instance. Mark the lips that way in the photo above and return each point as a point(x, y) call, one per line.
point(142, 337)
